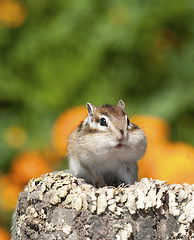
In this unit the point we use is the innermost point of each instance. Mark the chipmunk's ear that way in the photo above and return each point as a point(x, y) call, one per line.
point(91, 108)
point(121, 104)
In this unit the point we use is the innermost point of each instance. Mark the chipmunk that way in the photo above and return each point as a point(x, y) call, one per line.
point(105, 147)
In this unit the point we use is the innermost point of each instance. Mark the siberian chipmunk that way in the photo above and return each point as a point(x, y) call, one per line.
point(105, 147)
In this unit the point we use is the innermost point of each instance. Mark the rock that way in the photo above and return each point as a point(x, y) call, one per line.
point(60, 206)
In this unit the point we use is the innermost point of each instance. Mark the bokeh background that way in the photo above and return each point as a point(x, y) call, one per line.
point(57, 55)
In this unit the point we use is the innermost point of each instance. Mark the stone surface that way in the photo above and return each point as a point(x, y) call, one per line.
point(60, 206)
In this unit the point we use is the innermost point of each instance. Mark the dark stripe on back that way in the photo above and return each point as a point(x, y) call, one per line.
point(80, 126)
point(134, 127)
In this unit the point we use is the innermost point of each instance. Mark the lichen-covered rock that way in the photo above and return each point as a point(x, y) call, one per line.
point(60, 206)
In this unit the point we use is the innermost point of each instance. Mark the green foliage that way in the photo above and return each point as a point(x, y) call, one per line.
point(69, 52)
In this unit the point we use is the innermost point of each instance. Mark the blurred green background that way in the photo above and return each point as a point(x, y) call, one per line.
point(58, 54)
point(67, 53)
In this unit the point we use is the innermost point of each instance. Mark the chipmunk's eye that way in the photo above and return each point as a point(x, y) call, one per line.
point(128, 121)
point(103, 122)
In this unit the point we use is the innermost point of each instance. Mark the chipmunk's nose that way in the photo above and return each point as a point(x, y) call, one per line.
point(120, 135)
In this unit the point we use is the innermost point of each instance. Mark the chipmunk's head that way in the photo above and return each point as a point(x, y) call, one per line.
point(109, 119)
point(113, 128)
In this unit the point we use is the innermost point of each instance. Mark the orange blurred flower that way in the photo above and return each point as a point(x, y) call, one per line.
point(171, 162)
point(51, 155)
point(64, 125)
point(4, 234)
point(155, 128)
point(28, 165)
point(9, 193)
point(164, 160)
point(12, 13)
